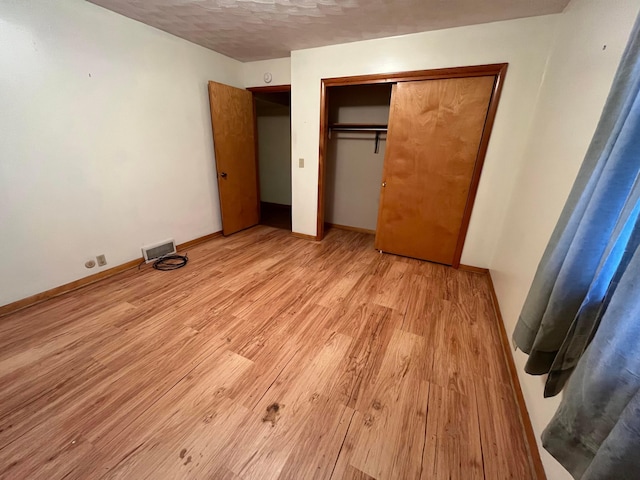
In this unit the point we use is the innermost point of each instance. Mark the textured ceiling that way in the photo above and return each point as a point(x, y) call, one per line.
point(260, 29)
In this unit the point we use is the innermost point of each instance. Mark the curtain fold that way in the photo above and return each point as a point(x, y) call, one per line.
point(595, 434)
point(565, 301)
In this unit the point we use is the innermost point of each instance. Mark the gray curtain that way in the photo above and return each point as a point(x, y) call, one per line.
point(581, 321)
point(565, 302)
point(595, 434)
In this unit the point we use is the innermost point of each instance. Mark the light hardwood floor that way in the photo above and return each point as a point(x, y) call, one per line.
point(266, 357)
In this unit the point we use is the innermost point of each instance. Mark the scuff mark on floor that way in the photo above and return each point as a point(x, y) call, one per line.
point(273, 413)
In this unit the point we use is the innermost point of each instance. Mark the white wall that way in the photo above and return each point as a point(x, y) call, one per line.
point(576, 84)
point(106, 140)
point(354, 170)
point(524, 44)
point(274, 156)
point(279, 68)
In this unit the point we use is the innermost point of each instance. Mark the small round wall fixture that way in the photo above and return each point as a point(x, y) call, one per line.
point(267, 77)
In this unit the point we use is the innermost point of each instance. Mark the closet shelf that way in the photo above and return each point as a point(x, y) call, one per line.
point(360, 127)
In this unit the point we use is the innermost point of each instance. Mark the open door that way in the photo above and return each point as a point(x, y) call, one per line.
point(234, 143)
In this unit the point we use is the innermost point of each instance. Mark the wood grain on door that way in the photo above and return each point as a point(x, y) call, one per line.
point(435, 129)
point(234, 143)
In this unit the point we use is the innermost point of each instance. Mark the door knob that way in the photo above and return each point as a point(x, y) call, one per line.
point(223, 174)
point(384, 184)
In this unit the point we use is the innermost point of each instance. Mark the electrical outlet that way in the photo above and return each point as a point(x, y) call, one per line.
point(102, 260)
point(301, 163)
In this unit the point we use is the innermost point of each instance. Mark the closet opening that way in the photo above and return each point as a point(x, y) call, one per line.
point(273, 149)
point(406, 150)
point(358, 117)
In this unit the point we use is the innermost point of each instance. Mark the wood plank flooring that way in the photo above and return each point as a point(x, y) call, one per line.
point(267, 357)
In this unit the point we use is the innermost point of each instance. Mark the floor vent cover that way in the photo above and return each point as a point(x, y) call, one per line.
point(157, 250)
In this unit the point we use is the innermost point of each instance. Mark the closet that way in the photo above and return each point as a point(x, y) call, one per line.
point(434, 143)
point(358, 117)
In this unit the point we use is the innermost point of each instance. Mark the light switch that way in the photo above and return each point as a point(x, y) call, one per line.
point(301, 163)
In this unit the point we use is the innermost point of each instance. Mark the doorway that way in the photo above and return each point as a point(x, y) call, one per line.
point(273, 142)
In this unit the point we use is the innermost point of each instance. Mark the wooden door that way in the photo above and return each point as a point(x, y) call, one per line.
point(435, 129)
point(232, 119)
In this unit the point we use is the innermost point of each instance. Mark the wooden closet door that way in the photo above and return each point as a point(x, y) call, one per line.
point(435, 129)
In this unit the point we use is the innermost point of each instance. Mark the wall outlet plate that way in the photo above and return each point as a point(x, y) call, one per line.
point(102, 260)
point(301, 163)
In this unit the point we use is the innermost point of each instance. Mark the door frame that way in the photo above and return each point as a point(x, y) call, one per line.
point(499, 70)
point(266, 89)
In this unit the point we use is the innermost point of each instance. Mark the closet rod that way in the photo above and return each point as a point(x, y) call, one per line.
point(360, 127)
point(363, 127)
